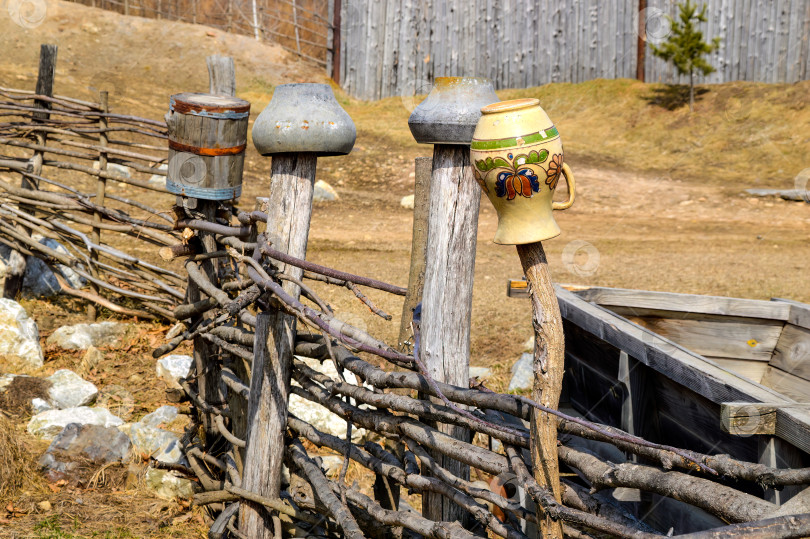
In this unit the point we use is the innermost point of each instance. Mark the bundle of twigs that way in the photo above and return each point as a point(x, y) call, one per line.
point(388, 404)
point(83, 140)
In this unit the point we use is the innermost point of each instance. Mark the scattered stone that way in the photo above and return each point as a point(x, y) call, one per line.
point(407, 202)
point(40, 405)
point(44, 506)
point(69, 390)
point(480, 372)
point(168, 485)
point(174, 368)
point(331, 465)
point(324, 192)
point(19, 336)
point(5, 380)
point(77, 443)
point(90, 360)
point(522, 373)
point(83, 336)
point(162, 416)
point(318, 416)
point(148, 439)
point(39, 279)
point(115, 169)
point(159, 179)
point(48, 424)
point(8, 259)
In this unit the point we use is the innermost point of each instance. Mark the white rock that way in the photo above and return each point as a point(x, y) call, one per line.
point(5, 380)
point(324, 192)
point(162, 416)
point(407, 202)
point(8, 258)
point(40, 405)
point(174, 368)
point(522, 373)
point(528, 346)
point(480, 372)
point(83, 336)
point(148, 439)
point(115, 169)
point(331, 465)
point(19, 335)
point(315, 414)
point(69, 390)
point(159, 179)
point(168, 485)
point(48, 424)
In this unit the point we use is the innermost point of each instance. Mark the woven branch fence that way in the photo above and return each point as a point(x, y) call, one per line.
point(73, 172)
point(381, 391)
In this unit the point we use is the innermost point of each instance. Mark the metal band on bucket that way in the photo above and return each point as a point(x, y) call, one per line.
point(211, 152)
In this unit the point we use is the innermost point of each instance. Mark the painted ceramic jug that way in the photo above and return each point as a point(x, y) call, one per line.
point(517, 158)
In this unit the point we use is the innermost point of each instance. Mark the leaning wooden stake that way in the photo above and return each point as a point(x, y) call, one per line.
point(302, 122)
point(549, 366)
point(416, 278)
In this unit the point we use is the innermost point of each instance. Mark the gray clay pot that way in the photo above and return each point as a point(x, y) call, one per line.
point(304, 118)
point(451, 110)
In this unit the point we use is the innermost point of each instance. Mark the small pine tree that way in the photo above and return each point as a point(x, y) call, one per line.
point(685, 46)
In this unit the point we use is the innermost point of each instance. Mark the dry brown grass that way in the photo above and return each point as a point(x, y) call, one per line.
point(18, 463)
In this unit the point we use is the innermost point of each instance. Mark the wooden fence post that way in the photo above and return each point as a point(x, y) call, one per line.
point(47, 70)
point(336, 41)
point(221, 75)
point(641, 42)
point(416, 276)
point(207, 139)
point(278, 132)
point(447, 119)
point(549, 367)
point(101, 192)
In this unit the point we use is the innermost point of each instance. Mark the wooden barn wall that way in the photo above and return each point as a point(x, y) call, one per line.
point(397, 47)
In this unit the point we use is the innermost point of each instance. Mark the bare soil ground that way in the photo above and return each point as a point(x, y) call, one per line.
point(659, 206)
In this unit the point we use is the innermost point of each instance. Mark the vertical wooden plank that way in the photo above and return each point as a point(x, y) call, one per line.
point(793, 43)
point(783, 34)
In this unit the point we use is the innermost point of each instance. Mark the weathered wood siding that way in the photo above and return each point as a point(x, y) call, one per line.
point(397, 47)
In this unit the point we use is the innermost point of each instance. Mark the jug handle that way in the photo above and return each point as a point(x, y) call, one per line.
point(572, 187)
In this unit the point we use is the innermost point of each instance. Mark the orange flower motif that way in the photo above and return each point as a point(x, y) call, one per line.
point(554, 170)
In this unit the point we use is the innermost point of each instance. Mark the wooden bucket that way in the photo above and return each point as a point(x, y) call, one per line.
point(207, 139)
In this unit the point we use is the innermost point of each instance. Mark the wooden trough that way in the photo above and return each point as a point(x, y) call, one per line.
point(712, 374)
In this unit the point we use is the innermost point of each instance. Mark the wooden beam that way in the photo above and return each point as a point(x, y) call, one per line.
point(416, 277)
point(748, 418)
